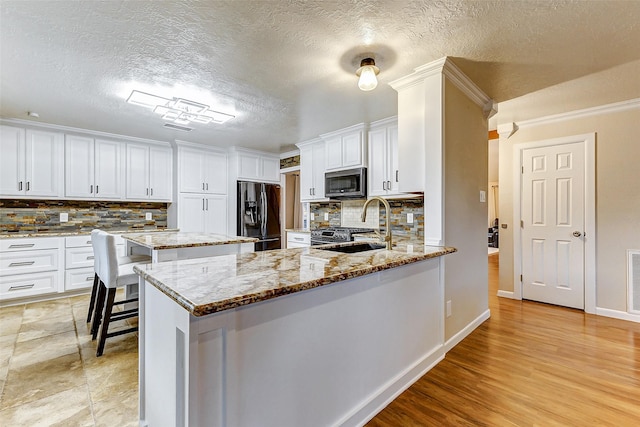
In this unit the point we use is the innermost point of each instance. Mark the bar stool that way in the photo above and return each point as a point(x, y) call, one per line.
point(110, 277)
point(121, 261)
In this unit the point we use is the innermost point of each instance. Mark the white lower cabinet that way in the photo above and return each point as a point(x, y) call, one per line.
point(202, 213)
point(79, 259)
point(296, 239)
point(30, 267)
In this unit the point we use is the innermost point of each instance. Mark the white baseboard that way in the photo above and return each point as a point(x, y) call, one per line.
point(454, 340)
point(387, 393)
point(506, 294)
point(622, 315)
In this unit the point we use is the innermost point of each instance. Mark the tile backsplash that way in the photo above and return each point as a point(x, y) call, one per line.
point(347, 214)
point(41, 216)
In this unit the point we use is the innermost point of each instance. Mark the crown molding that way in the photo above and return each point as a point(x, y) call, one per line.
point(288, 154)
point(68, 129)
point(585, 112)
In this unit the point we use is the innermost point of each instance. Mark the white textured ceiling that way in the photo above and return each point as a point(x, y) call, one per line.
point(286, 67)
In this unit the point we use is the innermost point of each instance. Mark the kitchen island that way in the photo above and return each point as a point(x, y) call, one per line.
point(295, 337)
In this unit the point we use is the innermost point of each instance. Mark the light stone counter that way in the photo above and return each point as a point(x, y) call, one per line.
point(209, 285)
point(81, 233)
point(179, 239)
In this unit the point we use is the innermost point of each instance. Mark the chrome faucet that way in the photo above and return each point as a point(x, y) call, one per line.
point(387, 234)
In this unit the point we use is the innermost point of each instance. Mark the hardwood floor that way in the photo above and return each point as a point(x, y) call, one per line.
point(530, 364)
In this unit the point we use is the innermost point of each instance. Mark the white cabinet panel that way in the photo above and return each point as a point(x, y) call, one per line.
point(12, 162)
point(215, 167)
point(298, 240)
point(271, 169)
point(345, 148)
point(248, 166)
point(202, 171)
point(352, 150)
point(28, 262)
point(108, 169)
point(79, 257)
point(149, 172)
point(333, 149)
point(257, 166)
point(203, 213)
point(80, 278)
point(31, 163)
point(79, 164)
point(312, 169)
point(25, 285)
point(383, 158)
point(28, 244)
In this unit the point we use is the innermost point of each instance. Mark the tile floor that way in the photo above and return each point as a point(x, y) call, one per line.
point(49, 372)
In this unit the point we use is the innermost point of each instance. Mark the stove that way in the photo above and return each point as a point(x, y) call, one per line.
point(323, 236)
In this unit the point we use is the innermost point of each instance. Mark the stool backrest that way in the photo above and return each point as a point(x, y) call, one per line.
point(107, 256)
point(94, 243)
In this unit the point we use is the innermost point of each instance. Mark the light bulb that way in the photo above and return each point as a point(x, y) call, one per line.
point(368, 80)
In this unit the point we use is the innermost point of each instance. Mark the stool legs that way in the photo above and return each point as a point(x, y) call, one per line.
point(104, 328)
point(97, 312)
point(92, 301)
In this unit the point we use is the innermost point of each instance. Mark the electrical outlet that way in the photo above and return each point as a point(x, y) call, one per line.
point(409, 249)
point(326, 216)
point(483, 196)
point(64, 217)
point(313, 216)
point(448, 308)
point(409, 218)
point(148, 216)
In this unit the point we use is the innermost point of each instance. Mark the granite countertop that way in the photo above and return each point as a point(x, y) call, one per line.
point(179, 239)
point(208, 285)
point(296, 230)
point(81, 233)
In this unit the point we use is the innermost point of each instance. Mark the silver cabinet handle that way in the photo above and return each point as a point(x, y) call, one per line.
point(397, 175)
point(91, 189)
point(97, 191)
point(88, 242)
point(202, 204)
point(310, 191)
point(577, 234)
point(207, 203)
point(90, 257)
point(388, 185)
point(20, 186)
point(152, 191)
point(22, 245)
point(147, 191)
point(384, 185)
point(207, 186)
point(17, 288)
point(28, 185)
point(21, 264)
point(299, 239)
point(203, 185)
point(89, 278)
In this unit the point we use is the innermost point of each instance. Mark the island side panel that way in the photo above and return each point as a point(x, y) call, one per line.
point(333, 355)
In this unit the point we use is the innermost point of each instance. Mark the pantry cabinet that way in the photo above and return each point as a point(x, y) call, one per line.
point(93, 168)
point(382, 168)
point(32, 162)
point(345, 148)
point(312, 169)
point(202, 171)
point(148, 172)
point(202, 213)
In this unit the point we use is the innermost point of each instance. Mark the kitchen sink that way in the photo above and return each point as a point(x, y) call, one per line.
point(360, 247)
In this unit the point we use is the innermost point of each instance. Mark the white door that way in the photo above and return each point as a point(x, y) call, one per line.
point(79, 163)
point(191, 176)
point(553, 197)
point(137, 181)
point(12, 181)
point(191, 216)
point(378, 162)
point(108, 169)
point(44, 163)
point(160, 167)
point(215, 214)
point(215, 173)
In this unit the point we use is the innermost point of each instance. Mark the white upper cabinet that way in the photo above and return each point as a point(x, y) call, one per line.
point(312, 168)
point(149, 172)
point(257, 166)
point(31, 163)
point(93, 168)
point(345, 148)
point(383, 172)
point(202, 171)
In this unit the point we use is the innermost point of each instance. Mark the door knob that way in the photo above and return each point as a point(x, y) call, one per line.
point(577, 234)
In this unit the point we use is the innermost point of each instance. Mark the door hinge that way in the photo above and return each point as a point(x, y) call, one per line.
point(521, 169)
point(521, 278)
point(521, 224)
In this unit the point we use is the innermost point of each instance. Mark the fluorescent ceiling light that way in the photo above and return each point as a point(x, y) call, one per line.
point(178, 110)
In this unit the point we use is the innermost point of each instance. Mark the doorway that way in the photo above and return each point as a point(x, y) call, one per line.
point(554, 248)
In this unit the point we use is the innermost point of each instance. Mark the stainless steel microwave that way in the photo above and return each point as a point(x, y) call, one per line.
point(346, 184)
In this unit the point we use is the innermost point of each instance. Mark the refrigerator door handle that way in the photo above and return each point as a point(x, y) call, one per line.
point(263, 220)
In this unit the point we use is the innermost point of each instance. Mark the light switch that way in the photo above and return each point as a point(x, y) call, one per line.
point(148, 216)
point(64, 217)
point(326, 216)
point(409, 218)
point(313, 216)
point(483, 196)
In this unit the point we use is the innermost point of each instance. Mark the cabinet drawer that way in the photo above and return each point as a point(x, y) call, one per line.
point(29, 244)
point(79, 257)
point(80, 278)
point(28, 262)
point(77, 241)
point(301, 238)
point(291, 244)
point(25, 285)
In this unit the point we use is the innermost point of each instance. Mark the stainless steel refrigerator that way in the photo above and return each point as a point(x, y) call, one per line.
point(259, 213)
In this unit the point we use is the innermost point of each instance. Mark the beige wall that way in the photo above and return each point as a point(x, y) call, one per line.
point(617, 171)
point(465, 171)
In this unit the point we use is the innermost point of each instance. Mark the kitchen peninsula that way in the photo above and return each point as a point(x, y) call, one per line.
point(291, 337)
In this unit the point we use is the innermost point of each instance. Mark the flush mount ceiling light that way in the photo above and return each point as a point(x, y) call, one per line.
point(367, 73)
point(178, 110)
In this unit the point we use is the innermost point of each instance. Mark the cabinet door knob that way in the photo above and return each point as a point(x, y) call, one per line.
point(577, 234)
